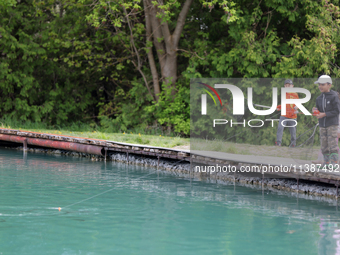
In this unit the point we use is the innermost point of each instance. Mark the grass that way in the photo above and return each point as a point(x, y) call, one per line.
point(86, 131)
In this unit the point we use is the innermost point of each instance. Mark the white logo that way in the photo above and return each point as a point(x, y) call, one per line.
point(238, 100)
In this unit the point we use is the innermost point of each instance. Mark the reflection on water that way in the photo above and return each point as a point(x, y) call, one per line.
point(108, 207)
point(329, 242)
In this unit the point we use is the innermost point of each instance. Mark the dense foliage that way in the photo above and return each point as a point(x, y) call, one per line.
point(124, 64)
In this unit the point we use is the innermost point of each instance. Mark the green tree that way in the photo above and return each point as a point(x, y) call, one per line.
point(44, 62)
point(147, 27)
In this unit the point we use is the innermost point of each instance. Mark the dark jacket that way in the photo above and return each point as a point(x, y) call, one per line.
point(329, 103)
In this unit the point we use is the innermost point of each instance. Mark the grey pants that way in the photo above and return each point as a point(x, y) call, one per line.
point(292, 130)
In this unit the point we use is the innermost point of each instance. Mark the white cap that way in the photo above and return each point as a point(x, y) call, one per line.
point(324, 79)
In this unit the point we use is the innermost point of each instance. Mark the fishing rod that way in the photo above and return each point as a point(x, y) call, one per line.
point(264, 106)
point(314, 127)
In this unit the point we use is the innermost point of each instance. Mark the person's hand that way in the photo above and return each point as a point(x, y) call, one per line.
point(321, 115)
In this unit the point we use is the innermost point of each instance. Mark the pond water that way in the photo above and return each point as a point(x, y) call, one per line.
point(112, 208)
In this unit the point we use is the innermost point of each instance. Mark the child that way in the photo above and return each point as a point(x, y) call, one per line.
point(320, 156)
point(289, 117)
point(328, 105)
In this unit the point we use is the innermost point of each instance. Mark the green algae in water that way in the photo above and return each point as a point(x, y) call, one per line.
point(111, 208)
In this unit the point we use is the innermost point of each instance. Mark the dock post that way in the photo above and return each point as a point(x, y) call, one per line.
point(25, 144)
point(127, 157)
point(105, 149)
point(297, 184)
point(157, 162)
point(190, 166)
point(337, 189)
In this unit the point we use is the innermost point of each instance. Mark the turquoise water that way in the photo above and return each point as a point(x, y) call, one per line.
point(119, 209)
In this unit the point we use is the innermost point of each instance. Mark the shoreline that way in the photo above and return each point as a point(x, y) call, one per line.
point(181, 169)
point(175, 161)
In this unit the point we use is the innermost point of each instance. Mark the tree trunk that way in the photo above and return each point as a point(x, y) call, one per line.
point(165, 43)
point(152, 63)
point(170, 69)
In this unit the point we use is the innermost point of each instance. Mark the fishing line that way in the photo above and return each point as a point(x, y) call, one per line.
point(306, 145)
point(101, 193)
point(60, 208)
point(306, 132)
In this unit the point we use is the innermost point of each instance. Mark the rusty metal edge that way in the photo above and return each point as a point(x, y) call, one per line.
point(84, 148)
